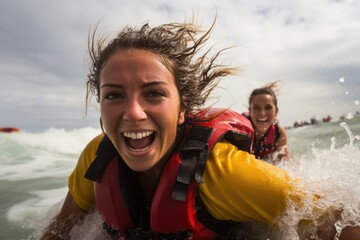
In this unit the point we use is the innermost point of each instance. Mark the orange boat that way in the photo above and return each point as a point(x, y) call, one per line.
point(9, 129)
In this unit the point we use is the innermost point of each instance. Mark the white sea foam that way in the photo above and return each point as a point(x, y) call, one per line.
point(333, 175)
point(34, 209)
point(52, 153)
point(57, 140)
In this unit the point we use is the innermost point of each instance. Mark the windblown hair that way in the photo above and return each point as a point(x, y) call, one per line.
point(271, 89)
point(177, 46)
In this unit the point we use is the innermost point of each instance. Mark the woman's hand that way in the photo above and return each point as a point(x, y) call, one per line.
point(60, 227)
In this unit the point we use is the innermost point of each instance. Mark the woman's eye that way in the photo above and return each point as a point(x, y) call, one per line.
point(112, 96)
point(156, 94)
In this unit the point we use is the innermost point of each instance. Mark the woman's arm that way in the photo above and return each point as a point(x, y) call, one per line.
point(240, 188)
point(61, 225)
point(80, 198)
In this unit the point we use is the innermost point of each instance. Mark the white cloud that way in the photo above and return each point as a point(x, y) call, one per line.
point(43, 56)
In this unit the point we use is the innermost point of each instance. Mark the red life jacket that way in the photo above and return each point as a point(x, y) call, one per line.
point(266, 145)
point(176, 211)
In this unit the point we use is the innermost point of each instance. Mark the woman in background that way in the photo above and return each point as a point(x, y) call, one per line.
point(270, 140)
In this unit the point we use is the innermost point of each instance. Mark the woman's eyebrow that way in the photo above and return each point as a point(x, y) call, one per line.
point(153, 83)
point(111, 85)
point(145, 85)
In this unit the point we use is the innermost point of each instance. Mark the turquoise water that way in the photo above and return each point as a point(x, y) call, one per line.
point(34, 169)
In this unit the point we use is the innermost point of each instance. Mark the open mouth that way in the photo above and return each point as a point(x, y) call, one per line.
point(139, 141)
point(262, 120)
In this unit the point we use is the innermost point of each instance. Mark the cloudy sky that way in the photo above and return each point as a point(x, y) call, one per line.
point(312, 46)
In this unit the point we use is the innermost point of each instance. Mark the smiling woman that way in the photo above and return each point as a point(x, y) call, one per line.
point(270, 141)
point(165, 167)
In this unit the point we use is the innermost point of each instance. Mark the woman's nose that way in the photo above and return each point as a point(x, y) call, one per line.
point(134, 111)
point(262, 111)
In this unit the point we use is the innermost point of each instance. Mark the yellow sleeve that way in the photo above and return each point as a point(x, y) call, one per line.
point(241, 188)
point(80, 188)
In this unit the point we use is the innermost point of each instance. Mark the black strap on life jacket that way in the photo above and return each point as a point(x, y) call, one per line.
point(104, 153)
point(193, 155)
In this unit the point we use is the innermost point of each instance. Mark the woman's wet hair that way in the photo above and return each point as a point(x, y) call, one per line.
point(180, 46)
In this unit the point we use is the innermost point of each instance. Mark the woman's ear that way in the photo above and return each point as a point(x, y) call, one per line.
point(182, 112)
point(181, 118)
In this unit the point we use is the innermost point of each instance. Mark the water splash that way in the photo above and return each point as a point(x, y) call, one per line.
point(331, 173)
point(350, 134)
point(333, 143)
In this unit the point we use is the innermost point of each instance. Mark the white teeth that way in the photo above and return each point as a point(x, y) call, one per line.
point(262, 120)
point(138, 135)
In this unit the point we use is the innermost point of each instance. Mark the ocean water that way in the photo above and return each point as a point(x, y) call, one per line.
point(34, 168)
point(33, 177)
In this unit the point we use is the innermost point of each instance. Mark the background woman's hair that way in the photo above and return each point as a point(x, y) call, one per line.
point(271, 88)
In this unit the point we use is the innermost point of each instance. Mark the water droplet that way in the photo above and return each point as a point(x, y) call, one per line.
point(346, 93)
point(342, 79)
point(349, 116)
point(357, 102)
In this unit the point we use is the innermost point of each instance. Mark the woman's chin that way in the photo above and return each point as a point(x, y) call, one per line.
point(140, 167)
